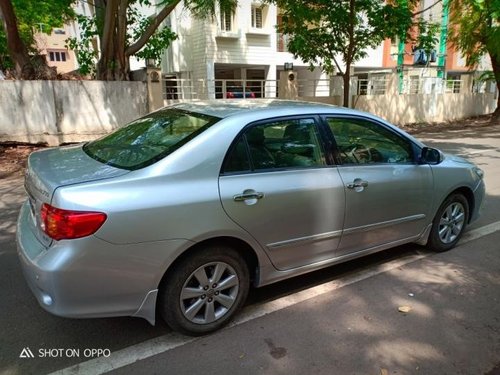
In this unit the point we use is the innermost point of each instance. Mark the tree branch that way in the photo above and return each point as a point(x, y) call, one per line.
point(134, 48)
point(426, 9)
point(337, 65)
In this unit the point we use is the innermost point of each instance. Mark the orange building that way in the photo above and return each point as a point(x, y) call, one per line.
point(53, 46)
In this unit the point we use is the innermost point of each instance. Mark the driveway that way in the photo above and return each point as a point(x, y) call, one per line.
point(341, 320)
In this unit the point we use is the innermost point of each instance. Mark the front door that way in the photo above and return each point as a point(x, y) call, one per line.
point(277, 186)
point(387, 192)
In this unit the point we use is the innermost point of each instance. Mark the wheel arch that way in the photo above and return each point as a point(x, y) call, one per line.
point(469, 195)
point(243, 248)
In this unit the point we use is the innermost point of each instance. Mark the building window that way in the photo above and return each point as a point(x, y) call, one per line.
point(395, 42)
point(256, 17)
point(57, 56)
point(226, 20)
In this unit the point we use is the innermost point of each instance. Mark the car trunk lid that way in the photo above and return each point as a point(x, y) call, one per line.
point(50, 169)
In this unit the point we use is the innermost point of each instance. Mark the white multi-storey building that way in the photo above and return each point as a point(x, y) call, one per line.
point(241, 48)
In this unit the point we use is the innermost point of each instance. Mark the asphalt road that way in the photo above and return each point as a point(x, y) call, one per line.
point(341, 320)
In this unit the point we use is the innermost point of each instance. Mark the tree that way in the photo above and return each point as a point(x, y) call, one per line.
point(322, 31)
point(20, 19)
point(476, 32)
point(123, 32)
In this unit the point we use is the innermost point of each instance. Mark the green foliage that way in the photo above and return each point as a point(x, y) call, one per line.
point(42, 15)
point(322, 29)
point(137, 23)
point(84, 47)
point(156, 44)
point(486, 76)
point(5, 62)
point(34, 16)
point(477, 29)
point(428, 35)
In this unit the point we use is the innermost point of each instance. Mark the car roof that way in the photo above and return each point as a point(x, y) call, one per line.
point(224, 108)
point(265, 108)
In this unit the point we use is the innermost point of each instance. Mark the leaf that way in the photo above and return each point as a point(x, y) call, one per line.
point(404, 309)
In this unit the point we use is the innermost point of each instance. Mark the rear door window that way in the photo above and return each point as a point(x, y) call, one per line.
point(282, 144)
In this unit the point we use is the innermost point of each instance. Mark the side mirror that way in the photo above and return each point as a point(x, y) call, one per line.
point(430, 156)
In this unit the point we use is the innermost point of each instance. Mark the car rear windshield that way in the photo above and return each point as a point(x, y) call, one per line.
point(148, 139)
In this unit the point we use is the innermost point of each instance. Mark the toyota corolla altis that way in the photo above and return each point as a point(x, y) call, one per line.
point(183, 210)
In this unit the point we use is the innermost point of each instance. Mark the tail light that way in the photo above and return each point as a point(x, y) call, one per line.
point(64, 224)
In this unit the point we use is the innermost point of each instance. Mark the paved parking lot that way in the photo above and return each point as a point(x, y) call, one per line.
point(342, 320)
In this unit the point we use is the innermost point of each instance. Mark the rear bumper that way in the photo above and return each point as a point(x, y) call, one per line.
point(89, 277)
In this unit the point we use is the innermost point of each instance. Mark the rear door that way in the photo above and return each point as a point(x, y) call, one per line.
point(276, 185)
point(388, 194)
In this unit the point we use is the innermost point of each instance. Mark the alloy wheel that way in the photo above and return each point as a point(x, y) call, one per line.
point(209, 293)
point(451, 222)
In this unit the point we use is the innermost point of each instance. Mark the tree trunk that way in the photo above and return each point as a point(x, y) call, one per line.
point(350, 52)
point(16, 47)
point(106, 63)
point(26, 67)
point(495, 63)
point(114, 62)
point(347, 80)
point(122, 66)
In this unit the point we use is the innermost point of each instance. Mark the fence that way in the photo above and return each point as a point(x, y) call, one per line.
point(56, 112)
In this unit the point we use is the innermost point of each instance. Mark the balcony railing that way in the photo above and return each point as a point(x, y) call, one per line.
point(188, 89)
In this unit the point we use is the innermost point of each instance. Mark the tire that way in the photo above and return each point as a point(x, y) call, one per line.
point(449, 223)
point(204, 291)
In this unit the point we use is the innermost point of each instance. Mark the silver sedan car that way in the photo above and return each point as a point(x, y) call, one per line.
point(185, 209)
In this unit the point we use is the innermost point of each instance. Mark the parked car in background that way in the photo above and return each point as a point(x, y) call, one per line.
point(238, 92)
point(185, 209)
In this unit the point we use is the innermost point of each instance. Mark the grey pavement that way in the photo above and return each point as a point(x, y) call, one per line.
point(453, 326)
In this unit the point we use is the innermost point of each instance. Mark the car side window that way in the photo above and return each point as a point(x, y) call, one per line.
point(277, 145)
point(364, 142)
point(238, 160)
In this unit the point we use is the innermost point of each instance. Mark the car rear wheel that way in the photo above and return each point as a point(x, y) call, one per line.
point(204, 291)
point(449, 223)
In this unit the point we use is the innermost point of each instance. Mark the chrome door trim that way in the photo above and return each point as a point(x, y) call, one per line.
point(383, 224)
point(305, 240)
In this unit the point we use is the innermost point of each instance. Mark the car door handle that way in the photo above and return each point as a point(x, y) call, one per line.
point(357, 183)
point(246, 196)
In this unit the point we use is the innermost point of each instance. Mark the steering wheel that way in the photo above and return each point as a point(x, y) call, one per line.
point(359, 153)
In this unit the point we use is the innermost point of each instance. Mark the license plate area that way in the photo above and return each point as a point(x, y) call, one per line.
point(32, 203)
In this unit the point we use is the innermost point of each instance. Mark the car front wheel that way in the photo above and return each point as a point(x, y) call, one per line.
point(449, 223)
point(204, 291)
